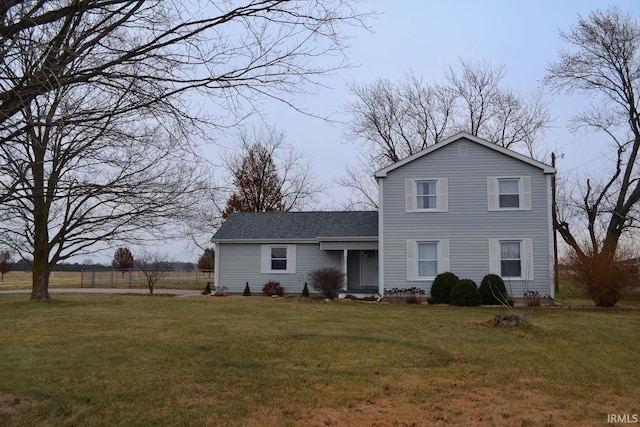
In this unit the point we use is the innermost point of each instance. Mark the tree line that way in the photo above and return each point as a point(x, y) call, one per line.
point(99, 143)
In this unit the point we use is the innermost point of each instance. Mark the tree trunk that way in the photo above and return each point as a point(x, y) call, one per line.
point(40, 271)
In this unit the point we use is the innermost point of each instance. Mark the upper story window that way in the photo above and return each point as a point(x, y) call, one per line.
point(426, 195)
point(509, 193)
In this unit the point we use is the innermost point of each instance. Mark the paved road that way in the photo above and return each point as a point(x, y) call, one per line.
point(54, 291)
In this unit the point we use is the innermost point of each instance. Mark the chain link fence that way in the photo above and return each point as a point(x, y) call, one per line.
point(187, 279)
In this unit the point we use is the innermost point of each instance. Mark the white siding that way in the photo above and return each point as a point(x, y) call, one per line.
point(468, 225)
point(242, 263)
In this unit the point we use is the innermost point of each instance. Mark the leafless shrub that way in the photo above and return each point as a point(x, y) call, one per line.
point(328, 281)
point(605, 278)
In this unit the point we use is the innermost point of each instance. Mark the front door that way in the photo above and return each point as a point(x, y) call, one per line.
point(369, 268)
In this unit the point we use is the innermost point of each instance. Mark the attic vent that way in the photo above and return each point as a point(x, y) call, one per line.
point(463, 149)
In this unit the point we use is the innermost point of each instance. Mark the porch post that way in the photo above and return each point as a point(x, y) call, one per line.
point(345, 253)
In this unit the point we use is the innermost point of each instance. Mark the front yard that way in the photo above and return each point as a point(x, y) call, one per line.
point(138, 360)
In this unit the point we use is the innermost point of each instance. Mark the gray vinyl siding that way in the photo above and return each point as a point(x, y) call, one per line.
point(242, 264)
point(468, 224)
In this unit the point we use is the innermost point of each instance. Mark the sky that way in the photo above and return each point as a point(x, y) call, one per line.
point(426, 37)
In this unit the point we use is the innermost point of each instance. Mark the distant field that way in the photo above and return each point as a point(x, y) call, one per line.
point(106, 279)
point(256, 361)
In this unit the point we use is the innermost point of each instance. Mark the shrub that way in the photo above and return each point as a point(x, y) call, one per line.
point(328, 281)
point(465, 293)
point(606, 278)
point(207, 289)
point(492, 290)
point(532, 298)
point(273, 288)
point(247, 291)
point(441, 287)
point(305, 290)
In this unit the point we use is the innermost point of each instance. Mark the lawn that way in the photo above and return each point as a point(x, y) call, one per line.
point(139, 360)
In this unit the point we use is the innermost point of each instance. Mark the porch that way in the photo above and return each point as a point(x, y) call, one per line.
point(359, 261)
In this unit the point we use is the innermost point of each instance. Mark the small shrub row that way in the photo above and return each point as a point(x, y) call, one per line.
point(447, 288)
point(270, 288)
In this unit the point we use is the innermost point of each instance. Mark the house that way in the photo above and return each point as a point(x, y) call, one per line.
point(463, 205)
point(258, 247)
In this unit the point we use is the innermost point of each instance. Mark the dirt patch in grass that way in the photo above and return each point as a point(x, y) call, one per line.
point(11, 407)
point(478, 407)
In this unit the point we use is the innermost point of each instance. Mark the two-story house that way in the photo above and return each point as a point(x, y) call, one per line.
point(464, 205)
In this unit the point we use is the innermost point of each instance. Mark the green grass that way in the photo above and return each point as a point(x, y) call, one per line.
point(137, 360)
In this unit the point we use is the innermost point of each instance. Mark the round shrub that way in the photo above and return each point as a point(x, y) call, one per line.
point(465, 293)
point(441, 287)
point(492, 290)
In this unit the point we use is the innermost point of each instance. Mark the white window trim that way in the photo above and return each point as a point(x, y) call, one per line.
point(442, 196)
point(412, 258)
point(265, 259)
point(493, 194)
point(526, 257)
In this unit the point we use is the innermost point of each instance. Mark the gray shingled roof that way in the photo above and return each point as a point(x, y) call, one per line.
point(298, 225)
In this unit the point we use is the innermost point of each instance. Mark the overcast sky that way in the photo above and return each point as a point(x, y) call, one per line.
point(427, 37)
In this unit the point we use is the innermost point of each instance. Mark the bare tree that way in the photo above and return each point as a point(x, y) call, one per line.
point(6, 263)
point(123, 260)
point(486, 109)
point(602, 62)
point(394, 121)
point(96, 132)
point(153, 266)
point(206, 262)
point(269, 175)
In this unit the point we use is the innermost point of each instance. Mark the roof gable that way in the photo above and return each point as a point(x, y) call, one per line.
point(298, 225)
point(463, 135)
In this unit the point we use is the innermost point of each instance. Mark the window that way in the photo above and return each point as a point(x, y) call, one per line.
point(427, 259)
point(510, 259)
point(279, 258)
point(427, 197)
point(509, 193)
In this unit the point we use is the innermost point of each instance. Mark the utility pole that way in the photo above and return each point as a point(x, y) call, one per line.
point(554, 219)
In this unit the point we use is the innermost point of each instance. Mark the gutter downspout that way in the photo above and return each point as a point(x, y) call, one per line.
point(380, 241)
point(216, 265)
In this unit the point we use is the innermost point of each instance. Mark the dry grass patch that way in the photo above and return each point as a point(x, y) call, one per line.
point(243, 361)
